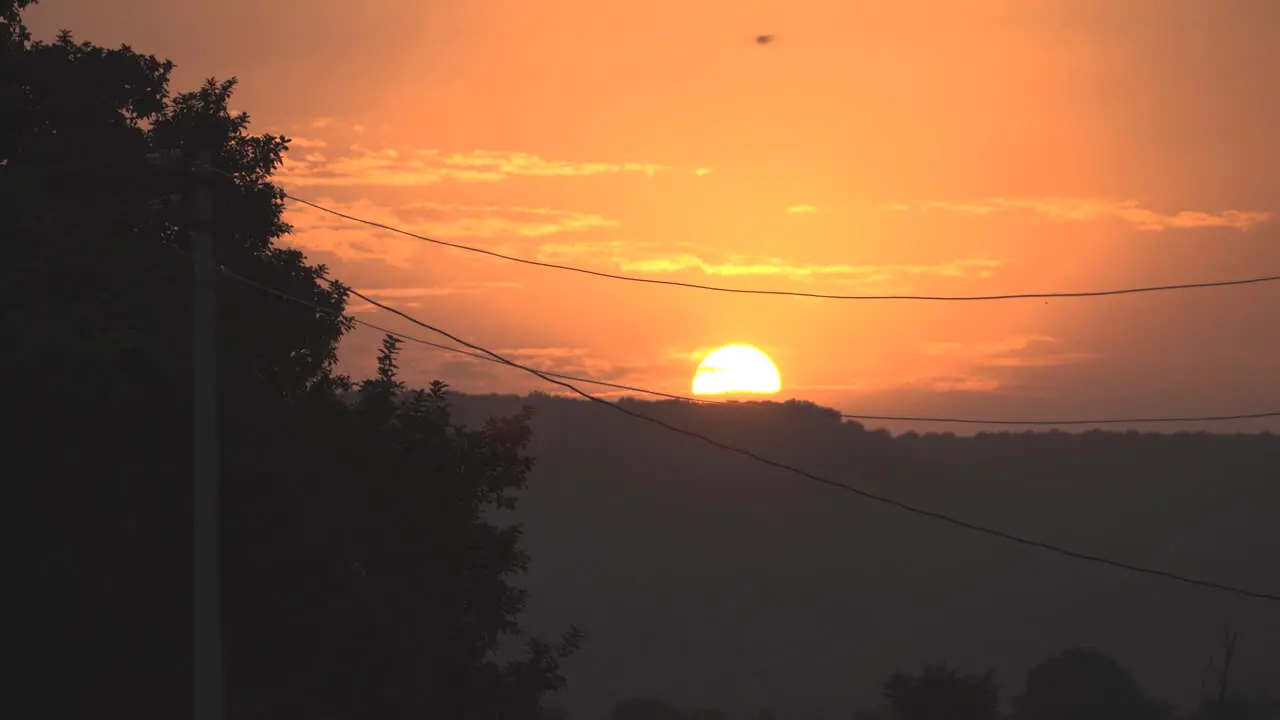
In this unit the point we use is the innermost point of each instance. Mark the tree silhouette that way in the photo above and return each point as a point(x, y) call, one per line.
point(363, 575)
point(1225, 703)
point(1083, 683)
point(938, 692)
point(417, 575)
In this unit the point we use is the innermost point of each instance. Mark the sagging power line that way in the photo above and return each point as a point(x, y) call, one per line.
point(712, 401)
point(158, 158)
point(866, 494)
point(1027, 422)
point(784, 293)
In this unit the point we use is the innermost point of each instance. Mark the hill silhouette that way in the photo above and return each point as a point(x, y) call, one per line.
point(703, 577)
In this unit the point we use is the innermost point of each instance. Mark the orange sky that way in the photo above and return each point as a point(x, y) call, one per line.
point(961, 147)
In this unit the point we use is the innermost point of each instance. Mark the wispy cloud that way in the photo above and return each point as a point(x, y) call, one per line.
point(306, 143)
point(474, 374)
point(404, 293)
point(647, 258)
point(986, 366)
point(321, 122)
point(319, 231)
point(963, 383)
point(487, 221)
point(1130, 212)
point(578, 362)
point(543, 352)
point(702, 171)
point(834, 387)
point(1021, 351)
point(686, 355)
point(410, 297)
point(364, 166)
point(802, 209)
point(982, 349)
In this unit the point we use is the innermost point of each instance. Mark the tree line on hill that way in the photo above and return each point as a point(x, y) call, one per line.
point(1077, 684)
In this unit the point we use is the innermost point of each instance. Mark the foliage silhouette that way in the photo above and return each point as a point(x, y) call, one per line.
point(363, 574)
point(938, 692)
point(1084, 684)
point(1095, 686)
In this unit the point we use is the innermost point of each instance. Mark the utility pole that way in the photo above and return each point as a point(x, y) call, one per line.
point(206, 492)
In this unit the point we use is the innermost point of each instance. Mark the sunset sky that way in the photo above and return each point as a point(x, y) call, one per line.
point(931, 147)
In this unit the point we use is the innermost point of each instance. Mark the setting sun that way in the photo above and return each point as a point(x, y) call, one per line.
point(736, 369)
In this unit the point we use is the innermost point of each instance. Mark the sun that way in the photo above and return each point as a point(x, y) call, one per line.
point(736, 369)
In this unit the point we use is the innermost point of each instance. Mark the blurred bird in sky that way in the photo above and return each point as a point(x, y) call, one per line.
point(764, 39)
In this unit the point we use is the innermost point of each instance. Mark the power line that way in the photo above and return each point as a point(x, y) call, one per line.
point(974, 527)
point(712, 401)
point(783, 293)
point(554, 379)
point(847, 416)
point(787, 293)
point(750, 291)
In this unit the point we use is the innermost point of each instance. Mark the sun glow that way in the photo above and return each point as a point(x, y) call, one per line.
point(736, 369)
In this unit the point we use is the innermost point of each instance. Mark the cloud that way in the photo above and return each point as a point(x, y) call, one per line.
point(302, 142)
point(477, 375)
point(961, 349)
point(1013, 352)
point(322, 122)
point(315, 230)
point(696, 354)
point(983, 367)
point(700, 172)
point(578, 362)
point(960, 383)
point(1130, 212)
point(645, 258)
point(487, 221)
point(833, 387)
point(802, 209)
point(957, 381)
point(543, 352)
point(363, 166)
point(389, 295)
point(407, 297)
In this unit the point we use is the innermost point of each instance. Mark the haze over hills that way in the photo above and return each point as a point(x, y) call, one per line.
point(714, 580)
